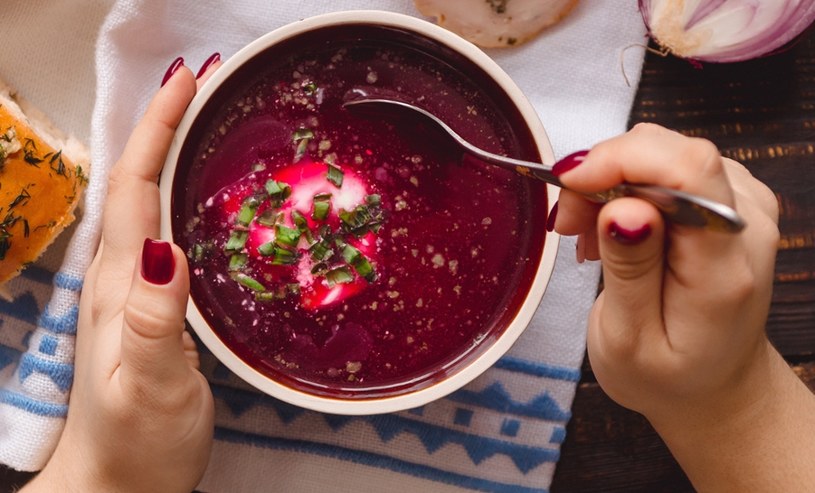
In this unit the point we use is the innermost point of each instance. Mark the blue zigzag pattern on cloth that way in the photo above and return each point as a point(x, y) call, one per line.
point(67, 281)
point(495, 397)
point(388, 426)
point(372, 459)
point(538, 369)
point(33, 406)
point(60, 324)
point(62, 374)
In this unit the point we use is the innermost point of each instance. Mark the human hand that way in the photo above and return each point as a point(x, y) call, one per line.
point(140, 415)
point(678, 331)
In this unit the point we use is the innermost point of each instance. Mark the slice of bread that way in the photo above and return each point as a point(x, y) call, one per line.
point(43, 173)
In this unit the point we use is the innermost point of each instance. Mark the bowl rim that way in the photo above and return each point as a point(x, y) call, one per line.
point(533, 297)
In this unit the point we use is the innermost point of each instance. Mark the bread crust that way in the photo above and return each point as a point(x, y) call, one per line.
point(40, 184)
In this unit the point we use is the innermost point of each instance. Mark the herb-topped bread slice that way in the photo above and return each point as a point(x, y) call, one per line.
point(42, 175)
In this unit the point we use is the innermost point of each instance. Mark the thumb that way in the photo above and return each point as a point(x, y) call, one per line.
point(631, 243)
point(152, 333)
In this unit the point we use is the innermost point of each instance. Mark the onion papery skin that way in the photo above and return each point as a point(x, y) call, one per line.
point(725, 30)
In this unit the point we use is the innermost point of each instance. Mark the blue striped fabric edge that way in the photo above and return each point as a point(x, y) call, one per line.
point(33, 406)
point(372, 460)
point(537, 369)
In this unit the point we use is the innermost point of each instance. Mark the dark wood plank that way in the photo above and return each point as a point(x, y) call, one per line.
point(761, 113)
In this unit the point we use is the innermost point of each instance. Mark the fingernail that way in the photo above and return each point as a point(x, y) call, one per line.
point(177, 64)
point(550, 221)
point(207, 64)
point(627, 236)
point(569, 162)
point(157, 262)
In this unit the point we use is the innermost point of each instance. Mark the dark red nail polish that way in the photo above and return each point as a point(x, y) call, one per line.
point(157, 262)
point(550, 221)
point(569, 162)
point(207, 64)
point(177, 64)
point(627, 236)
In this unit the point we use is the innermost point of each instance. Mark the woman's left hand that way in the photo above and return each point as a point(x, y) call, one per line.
point(141, 414)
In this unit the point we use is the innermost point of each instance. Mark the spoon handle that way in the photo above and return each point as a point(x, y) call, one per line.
point(677, 206)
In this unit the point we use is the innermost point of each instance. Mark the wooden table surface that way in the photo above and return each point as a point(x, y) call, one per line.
point(761, 113)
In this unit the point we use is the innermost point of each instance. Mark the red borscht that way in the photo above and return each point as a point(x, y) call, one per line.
point(356, 256)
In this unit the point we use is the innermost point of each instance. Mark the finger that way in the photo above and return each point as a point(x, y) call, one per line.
point(209, 67)
point(152, 341)
point(650, 154)
point(132, 206)
point(630, 236)
point(575, 214)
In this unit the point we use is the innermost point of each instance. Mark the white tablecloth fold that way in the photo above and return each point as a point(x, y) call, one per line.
point(501, 433)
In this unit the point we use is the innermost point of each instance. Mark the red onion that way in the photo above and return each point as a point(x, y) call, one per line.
point(725, 30)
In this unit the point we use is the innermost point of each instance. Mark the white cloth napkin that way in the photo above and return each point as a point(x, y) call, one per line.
point(500, 433)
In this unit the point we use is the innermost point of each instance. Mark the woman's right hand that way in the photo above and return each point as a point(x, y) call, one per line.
point(678, 333)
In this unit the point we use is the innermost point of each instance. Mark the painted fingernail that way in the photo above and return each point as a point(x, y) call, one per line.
point(177, 64)
point(627, 236)
point(569, 162)
point(550, 221)
point(157, 262)
point(207, 64)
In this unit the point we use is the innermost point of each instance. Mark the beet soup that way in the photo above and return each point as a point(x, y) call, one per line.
point(347, 255)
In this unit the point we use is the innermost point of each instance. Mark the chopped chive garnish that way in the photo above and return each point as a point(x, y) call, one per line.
point(266, 296)
point(284, 257)
point(335, 175)
point(310, 88)
point(238, 261)
point(302, 133)
point(247, 212)
point(359, 262)
point(350, 254)
point(299, 220)
point(267, 218)
point(373, 199)
point(249, 282)
point(278, 191)
point(287, 236)
point(339, 275)
point(320, 251)
point(319, 269)
point(301, 136)
point(197, 253)
point(236, 241)
point(267, 249)
point(322, 204)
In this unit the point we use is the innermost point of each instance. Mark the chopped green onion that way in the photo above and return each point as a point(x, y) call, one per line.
point(236, 241)
point(287, 236)
point(247, 211)
point(319, 269)
point(238, 261)
point(322, 204)
point(267, 249)
point(284, 257)
point(302, 133)
point(278, 191)
point(266, 296)
point(350, 254)
point(359, 262)
point(335, 175)
point(301, 136)
point(299, 220)
point(267, 218)
point(320, 251)
point(310, 88)
point(339, 275)
point(373, 199)
point(249, 282)
point(197, 253)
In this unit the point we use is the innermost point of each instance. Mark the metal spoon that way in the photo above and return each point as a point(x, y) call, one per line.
point(677, 206)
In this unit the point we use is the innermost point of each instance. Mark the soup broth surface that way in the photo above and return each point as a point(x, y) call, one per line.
point(356, 255)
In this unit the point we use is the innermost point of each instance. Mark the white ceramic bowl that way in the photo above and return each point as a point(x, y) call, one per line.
point(434, 35)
